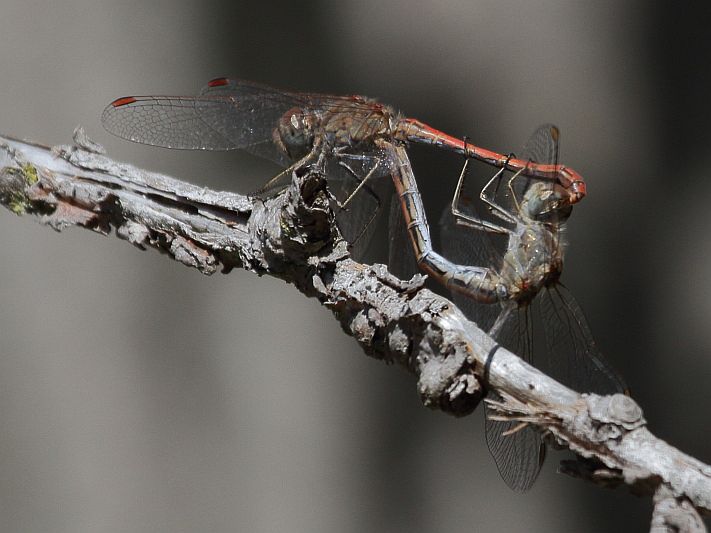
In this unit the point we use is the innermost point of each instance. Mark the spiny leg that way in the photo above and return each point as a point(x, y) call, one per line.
point(366, 189)
point(485, 196)
point(470, 221)
point(511, 189)
point(265, 189)
point(371, 172)
point(370, 220)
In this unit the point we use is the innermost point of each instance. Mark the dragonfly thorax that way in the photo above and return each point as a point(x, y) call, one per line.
point(354, 124)
point(533, 260)
point(358, 126)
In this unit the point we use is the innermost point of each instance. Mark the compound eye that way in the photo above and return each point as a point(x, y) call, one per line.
point(294, 136)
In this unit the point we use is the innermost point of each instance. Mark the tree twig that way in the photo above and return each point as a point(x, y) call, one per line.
point(294, 236)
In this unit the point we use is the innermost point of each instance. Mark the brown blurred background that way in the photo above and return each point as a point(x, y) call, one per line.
point(137, 395)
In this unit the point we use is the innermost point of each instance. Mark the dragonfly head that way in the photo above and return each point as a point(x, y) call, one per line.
point(547, 202)
point(294, 135)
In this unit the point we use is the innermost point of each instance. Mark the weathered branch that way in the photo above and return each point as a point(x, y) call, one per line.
point(294, 237)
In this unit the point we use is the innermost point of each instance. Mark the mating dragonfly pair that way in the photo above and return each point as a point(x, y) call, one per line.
point(496, 270)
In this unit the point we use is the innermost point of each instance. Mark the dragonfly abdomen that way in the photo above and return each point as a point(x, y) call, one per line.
point(480, 283)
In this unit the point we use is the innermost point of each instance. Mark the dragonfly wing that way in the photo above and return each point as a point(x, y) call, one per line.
point(361, 217)
point(518, 455)
point(170, 122)
point(541, 147)
point(260, 109)
point(239, 89)
point(242, 88)
point(210, 122)
point(518, 451)
point(573, 357)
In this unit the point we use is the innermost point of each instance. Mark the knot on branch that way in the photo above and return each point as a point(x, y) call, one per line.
point(297, 231)
point(395, 321)
point(446, 382)
point(308, 223)
point(672, 513)
point(613, 415)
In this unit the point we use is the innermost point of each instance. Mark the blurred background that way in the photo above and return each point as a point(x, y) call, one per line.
point(137, 395)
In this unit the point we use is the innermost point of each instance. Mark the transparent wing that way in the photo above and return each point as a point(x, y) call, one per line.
point(516, 333)
point(467, 246)
point(243, 88)
point(236, 88)
point(201, 122)
point(356, 115)
point(367, 208)
point(518, 455)
point(227, 115)
point(541, 147)
point(573, 357)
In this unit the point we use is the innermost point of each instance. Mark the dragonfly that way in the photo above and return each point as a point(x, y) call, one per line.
point(292, 128)
point(522, 246)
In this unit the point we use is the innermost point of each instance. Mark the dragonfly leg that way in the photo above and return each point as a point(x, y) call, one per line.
point(469, 220)
point(267, 188)
point(361, 185)
point(363, 181)
point(488, 198)
point(511, 189)
point(355, 176)
point(504, 315)
point(369, 191)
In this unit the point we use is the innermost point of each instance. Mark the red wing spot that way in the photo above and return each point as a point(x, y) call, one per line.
point(218, 82)
point(123, 101)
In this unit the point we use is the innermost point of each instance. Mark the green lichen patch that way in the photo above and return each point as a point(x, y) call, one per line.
point(29, 172)
point(13, 181)
point(17, 203)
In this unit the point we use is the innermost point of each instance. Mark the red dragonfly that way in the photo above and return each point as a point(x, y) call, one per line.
point(291, 128)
